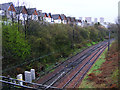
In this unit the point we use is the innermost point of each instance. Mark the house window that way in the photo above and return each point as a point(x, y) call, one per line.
point(13, 14)
point(35, 17)
point(10, 13)
point(2, 12)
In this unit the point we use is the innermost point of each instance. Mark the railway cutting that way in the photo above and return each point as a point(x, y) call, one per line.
point(69, 74)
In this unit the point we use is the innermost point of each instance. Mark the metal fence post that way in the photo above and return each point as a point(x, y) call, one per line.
point(32, 73)
point(28, 76)
point(20, 77)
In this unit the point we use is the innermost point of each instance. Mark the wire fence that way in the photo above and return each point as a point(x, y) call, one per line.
point(28, 61)
point(15, 82)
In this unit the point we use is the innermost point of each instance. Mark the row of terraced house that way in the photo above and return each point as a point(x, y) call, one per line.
point(10, 11)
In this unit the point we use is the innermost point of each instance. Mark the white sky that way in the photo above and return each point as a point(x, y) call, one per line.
point(76, 8)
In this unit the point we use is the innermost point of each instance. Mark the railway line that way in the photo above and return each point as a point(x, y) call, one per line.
point(70, 73)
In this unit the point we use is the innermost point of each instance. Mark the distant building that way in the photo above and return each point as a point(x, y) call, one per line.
point(8, 10)
point(39, 15)
point(78, 22)
point(101, 20)
point(119, 11)
point(50, 19)
point(73, 21)
point(64, 19)
point(68, 20)
point(21, 13)
point(32, 14)
point(95, 20)
point(57, 18)
point(80, 18)
point(88, 19)
point(45, 17)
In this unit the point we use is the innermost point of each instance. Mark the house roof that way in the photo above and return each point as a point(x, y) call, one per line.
point(31, 11)
point(39, 12)
point(43, 14)
point(5, 6)
point(77, 20)
point(73, 19)
point(56, 16)
point(19, 9)
point(68, 18)
point(63, 17)
point(49, 14)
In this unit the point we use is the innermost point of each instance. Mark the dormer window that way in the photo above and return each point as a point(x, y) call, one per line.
point(2, 12)
point(10, 13)
point(35, 17)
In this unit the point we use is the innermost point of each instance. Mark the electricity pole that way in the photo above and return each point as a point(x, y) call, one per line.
point(109, 41)
point(73, 40)
point(18, 14)
point(109, 38)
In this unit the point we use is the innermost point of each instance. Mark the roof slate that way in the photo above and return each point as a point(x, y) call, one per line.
point(49, 14)
point(55, 16)
point(43, 14)
point(63, 17)
point(5, 6)
point(68, 18)
point(31, 11)
point(72, 19)
point(19, 9)
point(39, 13)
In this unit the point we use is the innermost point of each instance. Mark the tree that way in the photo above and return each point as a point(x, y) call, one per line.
point(15, 47)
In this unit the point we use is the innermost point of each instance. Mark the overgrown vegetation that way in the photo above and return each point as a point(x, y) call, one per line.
point(15, 48)
point(104, 73)
point(48, 41)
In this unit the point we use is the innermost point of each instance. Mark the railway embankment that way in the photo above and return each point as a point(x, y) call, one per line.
point(104, 73)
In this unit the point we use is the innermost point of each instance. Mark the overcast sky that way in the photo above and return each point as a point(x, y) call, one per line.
point(75, 8)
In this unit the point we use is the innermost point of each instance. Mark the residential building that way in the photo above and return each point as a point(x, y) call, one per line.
point(21, 13)
point(78, 22)
point(8, 10)
point(32, 14)
point(44, 17)
point(80, 18)
point(68, 20)
point(50, 19)
point(95, 20)
point(101, 20)
point(119, 12)
point(88, 19)
point(39, 12)
point(64, 19)
point(73, 21)
point(56, 18)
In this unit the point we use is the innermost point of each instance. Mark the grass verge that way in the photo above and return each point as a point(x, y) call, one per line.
point(94, 69)
point(48, 67)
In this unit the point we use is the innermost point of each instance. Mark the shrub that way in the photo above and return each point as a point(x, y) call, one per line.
point(15, 47)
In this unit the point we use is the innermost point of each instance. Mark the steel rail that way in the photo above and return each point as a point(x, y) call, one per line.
point(23, 86)
point(66, 60)
point(73, 62)
point(65, 68)
point(88, 68)
point(80, 69)
point(40, 85)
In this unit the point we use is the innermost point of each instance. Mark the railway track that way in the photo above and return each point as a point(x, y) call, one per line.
point(70, 73)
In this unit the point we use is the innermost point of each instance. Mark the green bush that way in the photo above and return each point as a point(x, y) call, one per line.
point(49, 41)
point(15, 47)
point(45, 38)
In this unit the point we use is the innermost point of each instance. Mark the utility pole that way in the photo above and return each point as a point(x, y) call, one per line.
point(109, 41)
point(73, 40)
point(109, 37)
point(18, 14)
point(12, 18)
point(24, 25)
